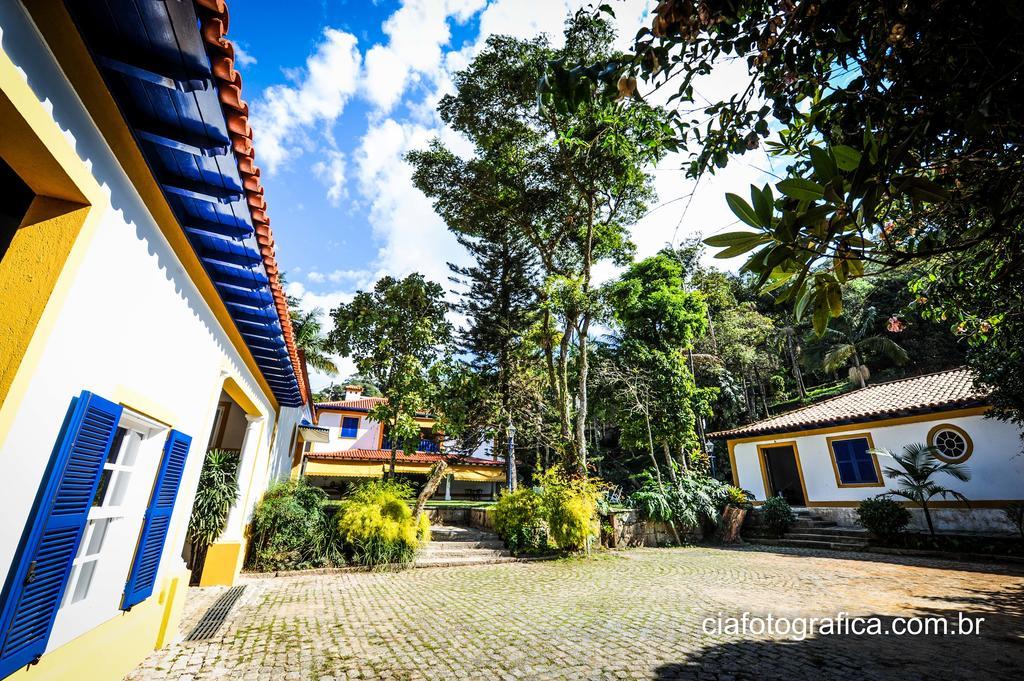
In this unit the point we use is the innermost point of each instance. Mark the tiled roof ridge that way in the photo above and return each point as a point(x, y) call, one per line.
point(827, 400)
point(214, 27)
point(791, 420)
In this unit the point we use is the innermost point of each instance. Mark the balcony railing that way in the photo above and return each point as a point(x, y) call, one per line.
point(424, 445)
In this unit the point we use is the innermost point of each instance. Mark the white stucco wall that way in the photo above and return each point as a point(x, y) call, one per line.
point(367, 436)
point(996, 465)
point(133, 328)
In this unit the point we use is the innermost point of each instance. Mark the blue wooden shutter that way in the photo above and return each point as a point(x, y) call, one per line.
point(142, 577)
point(39, 574)
point(854, 461)
point(350, 426)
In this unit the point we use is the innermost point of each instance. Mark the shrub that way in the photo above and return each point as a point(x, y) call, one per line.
point(883, 517)
point(1014, 514)
point(570, 507)
point(737, 497)
point(290, 530)
point(215, 495)
point(376, 526)
point(777, 515)
point(693, 501)
point(520, 521)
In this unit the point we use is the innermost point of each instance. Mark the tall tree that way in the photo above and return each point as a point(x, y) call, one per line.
point(310, 339)
point(396, 333)
point(568, 182)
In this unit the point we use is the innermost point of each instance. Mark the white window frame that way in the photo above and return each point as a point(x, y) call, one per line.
point(112, 561)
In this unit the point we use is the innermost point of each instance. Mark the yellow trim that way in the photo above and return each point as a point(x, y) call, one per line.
point(236, 392)
point(764, 469)
point(58, 29)
point(113, 649)
point(146, 406)
point(223, 563)
point(478, 473)
point(344, 469)
point(881, 423)
point(871, 453)
point(731, 444)
point(39, 266)
point(963, 433)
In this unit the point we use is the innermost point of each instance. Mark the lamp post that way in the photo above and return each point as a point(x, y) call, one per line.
point(510, 460)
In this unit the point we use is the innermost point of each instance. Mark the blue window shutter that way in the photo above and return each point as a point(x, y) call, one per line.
point(350, 426)
point(142, 577)
point(37, 579)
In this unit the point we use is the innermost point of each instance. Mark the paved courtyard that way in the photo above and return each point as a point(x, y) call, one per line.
point(624, 615)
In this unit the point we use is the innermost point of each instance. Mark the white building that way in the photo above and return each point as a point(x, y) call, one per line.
point(141, 318)
point(821, 455)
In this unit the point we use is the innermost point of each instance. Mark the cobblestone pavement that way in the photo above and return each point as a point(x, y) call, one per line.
point(624, 615)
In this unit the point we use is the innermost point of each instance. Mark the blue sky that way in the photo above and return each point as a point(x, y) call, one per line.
point(340, 90)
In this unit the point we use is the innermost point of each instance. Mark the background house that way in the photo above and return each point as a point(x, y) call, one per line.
point(348, 447)
point(818, 456)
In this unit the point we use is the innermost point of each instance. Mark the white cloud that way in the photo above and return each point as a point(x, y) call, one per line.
point(331, 171)
point(317, 96)
point(309, 301)
point(416, 32)
point(359, 278)
point(242, 56)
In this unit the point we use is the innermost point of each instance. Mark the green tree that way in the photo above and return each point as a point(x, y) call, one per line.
point(853, 334)
point(658, 319)
point(395, 333)
point(901, 125)
point(567, 181)
point(914, 472)
point(311, 341)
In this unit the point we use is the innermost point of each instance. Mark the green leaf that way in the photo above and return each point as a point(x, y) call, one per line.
point(742, 209)
point(847, 158)
point(821, 313)
point(824, 168)
point(924, 189)
point(801, 189)
point(763, 201)
point(734, 239)
point(834, 295)
point(801, 304)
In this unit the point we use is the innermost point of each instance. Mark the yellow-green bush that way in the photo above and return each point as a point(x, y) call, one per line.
point(376, 525)
point(570, 505)
point(560, 512)
point(519, 519)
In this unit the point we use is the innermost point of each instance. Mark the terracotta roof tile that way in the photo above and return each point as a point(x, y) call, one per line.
point(384, 455)
point(921, 394)
point(214, 22)
point(362, 404)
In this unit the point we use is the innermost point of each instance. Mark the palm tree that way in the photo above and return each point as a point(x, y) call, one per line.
point(917, 465)
point(309, 338)
point(851, 337)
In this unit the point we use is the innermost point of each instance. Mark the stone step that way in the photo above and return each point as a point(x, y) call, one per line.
point(856, 532)
point(481, 544)
point(813, 523)
point(430, 551)
point(835, 538)
point(463, 534)
point(456, 561)
point(808, 544)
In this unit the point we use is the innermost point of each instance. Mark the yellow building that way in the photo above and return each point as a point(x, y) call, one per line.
point(348, 446)
point(143, 320)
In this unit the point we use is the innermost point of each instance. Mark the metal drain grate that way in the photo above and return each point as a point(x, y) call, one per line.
point(216, 615)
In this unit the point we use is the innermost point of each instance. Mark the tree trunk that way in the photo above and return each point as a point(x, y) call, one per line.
point(436, 475)
point(650, 445)
point(581, 396)
point(394, 448)
point(797, 374)
point(668, 461)
point(564, 406)
point(928, 519)
point(856, 365)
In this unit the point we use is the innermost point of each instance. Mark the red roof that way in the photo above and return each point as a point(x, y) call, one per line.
point(214, 26)
point(942, 391)
point(362, 404)
point(384, 455)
